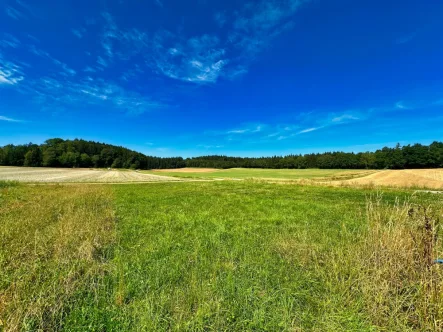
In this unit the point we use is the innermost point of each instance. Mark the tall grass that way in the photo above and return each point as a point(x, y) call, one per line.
point(54, 249)
point(218, 256)
point(7, 184)
point(390, 272)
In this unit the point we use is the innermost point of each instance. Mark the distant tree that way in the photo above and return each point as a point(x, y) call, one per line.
point(117, 163)
point(69, 159)
point(50, 157)
point(85, 160)
point(33, 157)
point(96, 162)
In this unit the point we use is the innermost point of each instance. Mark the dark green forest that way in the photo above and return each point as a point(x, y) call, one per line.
point(57, 152)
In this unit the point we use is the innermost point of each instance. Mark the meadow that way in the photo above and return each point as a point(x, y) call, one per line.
point(223, 255)
point(259, 173)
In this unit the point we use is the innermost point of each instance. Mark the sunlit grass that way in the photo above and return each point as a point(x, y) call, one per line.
point(217, 256)
point(290, 174)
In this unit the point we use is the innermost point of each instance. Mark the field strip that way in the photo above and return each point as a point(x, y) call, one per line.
point(60, 175)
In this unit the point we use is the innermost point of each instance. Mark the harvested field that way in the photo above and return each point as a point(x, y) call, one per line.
point(415, 178)
point(30, 174)
point(188, 170)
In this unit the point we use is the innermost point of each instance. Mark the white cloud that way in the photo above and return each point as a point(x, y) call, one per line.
point(54, 93)
point(210, 146)
point(4, 118)
point(308, 130)
point(14, 13)
point(118, 43)
point(252, 129)
point(220, 19)
point(19, 9)
point(205, 58)
point(66, 70)
point(401, 105)
point(9, 41)
point(10, 73)
point(344, 118)
point(79, 33)
point(198, 59)
point(238, 131)
point(407, 38)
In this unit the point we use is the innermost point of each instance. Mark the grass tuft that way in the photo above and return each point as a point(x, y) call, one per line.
point(55, 245)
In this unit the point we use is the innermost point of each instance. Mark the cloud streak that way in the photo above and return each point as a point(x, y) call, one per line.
point(19, 11)
point(198, 59)
point(59, 94)
point(10, 73)
point(7, 119)
point(205, 58)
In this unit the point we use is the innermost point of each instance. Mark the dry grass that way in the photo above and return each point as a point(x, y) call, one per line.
point(391, 267)
point(420, 178)
point(54, 243)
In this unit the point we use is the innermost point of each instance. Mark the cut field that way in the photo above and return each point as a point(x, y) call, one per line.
point(219, 255)
point(410, 178)
point(37, 174)
point(417, 179)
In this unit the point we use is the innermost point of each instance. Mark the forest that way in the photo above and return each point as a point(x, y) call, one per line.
point(57, 152)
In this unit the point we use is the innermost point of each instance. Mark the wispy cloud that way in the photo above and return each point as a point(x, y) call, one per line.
point(119, 43)
point(79, 33)
point(14, 13)
point(9, 41)
point(260, 22)
point(308, 130)
point(407, 38)
point(344, 118)
point(205, 58)
point(5, 118)
point(66, 70)
point(220, 19)
point(20, 10)
point(401, 105)
point(158, 3)
point(54, 93)
point(198, 59)
point(249, 130)
point(306, 123)
point(333, 119)
point(10, 73)
point(206, 146)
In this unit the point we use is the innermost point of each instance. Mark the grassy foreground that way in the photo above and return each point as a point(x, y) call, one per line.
point(218, 256)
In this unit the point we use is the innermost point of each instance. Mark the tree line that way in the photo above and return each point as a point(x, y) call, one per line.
point(57, 152)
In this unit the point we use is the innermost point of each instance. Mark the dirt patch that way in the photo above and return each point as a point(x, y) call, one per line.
point(187, 170)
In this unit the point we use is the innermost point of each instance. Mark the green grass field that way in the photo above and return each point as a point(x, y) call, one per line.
point(282, 174)
point(223, 256)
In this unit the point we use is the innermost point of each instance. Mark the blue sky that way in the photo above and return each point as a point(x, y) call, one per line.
point(169, 77)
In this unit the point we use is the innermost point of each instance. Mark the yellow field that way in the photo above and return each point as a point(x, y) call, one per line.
point(416, 178)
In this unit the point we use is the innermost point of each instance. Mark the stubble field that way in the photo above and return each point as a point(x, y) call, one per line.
point(32, 174)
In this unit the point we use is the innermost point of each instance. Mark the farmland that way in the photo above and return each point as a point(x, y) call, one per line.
point(411, 178)
point(32, 174)
point(246, 173)
point(217, 255)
